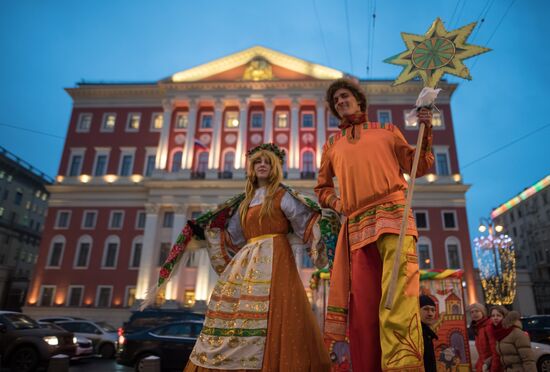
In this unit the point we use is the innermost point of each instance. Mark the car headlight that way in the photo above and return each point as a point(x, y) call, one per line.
point(51, 340)
point(74, 340)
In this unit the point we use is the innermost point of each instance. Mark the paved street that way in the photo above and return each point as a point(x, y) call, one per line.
point(98, 365)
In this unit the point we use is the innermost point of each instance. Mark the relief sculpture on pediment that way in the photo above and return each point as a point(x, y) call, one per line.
point(258, 69)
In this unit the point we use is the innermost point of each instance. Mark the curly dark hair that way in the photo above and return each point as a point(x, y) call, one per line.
point(350, 85)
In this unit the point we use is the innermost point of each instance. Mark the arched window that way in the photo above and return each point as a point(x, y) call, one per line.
point(55, 255)
point(135, 257)
point(110, 252)
point(228, 164)
point(83, 252)
point(202, 163)
point(424, 249)
point(176, 161)
point(453, 253)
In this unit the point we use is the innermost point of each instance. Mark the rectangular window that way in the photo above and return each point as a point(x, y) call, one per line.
point(109, 121)
point(47, 293)
point(453, 256)
point(333, 121)
point(206, 121)
point(424, 260)
point(63, 220)
point(437, 120)
point(89, 220)
point(126, 164)
point(130, 296)
point(182, 120)
point(111, 253)
point(104, 296)
point(100, 165)
point(281, 120)
point(83, 255)
point(157, 120)
point(449, 220)
point(307, 120)
point(18, 197)
point(384, 116)
point(133, 122)
point(442, 164)
point(168, 220)
point(56, 253)
point(421, 219)
point(163, 252)
point(409, 125)
point(84, 123)
point(75, 165)
point(75, 296)
point(140, 220)
point(136, 255)
point(257, 120)
point(150, 165)
point(116, 220)
point(232, 119)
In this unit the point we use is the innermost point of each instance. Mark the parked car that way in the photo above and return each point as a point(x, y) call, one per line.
point(538, 327)
point(172, 343)
point(541, 351)
point(54, 319)
point(103, 335)
point(84, 346)
point(24, 345)
point(149, 318)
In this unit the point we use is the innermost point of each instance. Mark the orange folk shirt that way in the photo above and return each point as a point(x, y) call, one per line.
point(369, 160)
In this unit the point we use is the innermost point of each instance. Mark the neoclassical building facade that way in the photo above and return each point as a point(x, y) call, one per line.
point(142, 158)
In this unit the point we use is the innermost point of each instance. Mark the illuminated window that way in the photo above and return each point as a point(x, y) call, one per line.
point(133, 122)
point(130, 296)
point(157, 120)
point(182, 120)
point(437, 120)
point(281, 120)
point(109, 121)
point(232, 119)
point(189, 299)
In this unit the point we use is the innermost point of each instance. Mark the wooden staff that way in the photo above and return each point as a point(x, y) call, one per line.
point(395, 271)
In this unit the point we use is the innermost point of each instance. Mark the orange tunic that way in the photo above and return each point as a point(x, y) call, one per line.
point(369, 160)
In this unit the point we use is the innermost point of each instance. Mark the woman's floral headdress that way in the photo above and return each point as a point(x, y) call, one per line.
point(268, 147)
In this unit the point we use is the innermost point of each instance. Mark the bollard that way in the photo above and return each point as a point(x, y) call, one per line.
point(149, 364)
point(59, 363)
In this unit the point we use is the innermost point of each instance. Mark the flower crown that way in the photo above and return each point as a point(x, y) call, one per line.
point(268, 147)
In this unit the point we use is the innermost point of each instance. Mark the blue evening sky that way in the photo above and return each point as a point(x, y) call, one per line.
point(46, 46)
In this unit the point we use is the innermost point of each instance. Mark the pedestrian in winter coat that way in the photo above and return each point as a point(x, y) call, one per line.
point(483, 342)
point(428, 318)
point(513, 344)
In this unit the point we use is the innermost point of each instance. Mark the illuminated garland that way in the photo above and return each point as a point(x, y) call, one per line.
point(497, 268)
point(522, 196)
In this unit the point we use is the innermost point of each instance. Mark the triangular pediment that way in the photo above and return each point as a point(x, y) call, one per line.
point(257, 64)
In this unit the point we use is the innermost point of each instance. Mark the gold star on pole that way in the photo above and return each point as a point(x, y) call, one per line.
point(437, 52)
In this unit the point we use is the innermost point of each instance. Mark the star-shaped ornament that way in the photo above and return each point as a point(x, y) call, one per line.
point(437, 52)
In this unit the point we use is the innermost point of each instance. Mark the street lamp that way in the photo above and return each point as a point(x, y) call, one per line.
point(496, 261)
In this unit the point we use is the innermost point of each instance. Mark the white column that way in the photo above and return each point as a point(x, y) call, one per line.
point(268, 134)
point(187, 158)
point(206, 276)
point(294, 150)
point(162, 150)
point(321, 130)
point(172, 288)
point(147, 266)
point(215, 145)
point(240, 153)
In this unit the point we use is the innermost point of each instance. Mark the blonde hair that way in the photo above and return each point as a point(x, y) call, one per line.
point(480, 307)
point(275, 178)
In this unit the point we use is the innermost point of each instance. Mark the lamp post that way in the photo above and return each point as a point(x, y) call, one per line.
point(496, 261)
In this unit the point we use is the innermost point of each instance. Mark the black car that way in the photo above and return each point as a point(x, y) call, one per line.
point(152, 317)
point(172, 343)
point(538, 327)
point(25, 345)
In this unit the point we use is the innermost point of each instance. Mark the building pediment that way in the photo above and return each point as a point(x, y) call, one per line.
point(256, 64)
